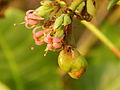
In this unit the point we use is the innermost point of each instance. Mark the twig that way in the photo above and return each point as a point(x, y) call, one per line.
point(101, 36)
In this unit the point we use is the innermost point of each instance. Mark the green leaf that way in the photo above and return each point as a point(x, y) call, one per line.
point(59, 21)
point(112, 3)
point(90, 7)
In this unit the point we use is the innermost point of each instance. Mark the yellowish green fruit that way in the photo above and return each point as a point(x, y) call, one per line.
point(72, 63)
point(65, 61)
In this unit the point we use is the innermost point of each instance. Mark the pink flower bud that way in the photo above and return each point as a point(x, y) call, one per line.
point(57, 45)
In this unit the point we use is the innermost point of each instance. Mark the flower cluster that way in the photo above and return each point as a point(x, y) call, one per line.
point(46, 35)
point(51, 24)
point(49, 21)
point(32, 19)
point(48, 30)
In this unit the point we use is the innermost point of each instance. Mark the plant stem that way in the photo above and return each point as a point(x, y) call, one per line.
point(12, 63)
point(68, 29)
point(101, 36)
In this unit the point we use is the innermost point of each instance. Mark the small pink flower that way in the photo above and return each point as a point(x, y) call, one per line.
point(39, 42)
point(49, 46)
point(32, 19)
point(31, 22)
point(57, 39)
point(48, 39)
point(29, 11)
point(57, 45)
point(39, 34)
point(36, 28)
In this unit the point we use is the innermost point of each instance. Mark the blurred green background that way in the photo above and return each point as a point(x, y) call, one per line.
point(24, 69)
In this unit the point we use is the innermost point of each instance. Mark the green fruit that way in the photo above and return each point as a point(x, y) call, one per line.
point(77, 74)
point(65, 61)
point(79, 66)
point(79, 61)
point(72, 63)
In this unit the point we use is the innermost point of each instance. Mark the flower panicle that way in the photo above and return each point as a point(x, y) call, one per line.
point(52, 25)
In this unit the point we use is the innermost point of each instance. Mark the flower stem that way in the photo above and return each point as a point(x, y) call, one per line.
point(101, 36)
point(68, 29)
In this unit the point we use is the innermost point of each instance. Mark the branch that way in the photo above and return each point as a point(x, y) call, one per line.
point(102, 37)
